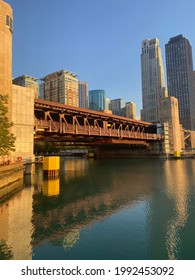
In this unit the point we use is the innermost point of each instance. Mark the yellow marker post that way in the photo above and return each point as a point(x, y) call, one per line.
point(51, 166)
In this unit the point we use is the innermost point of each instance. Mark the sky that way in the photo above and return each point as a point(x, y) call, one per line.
point(99, 40)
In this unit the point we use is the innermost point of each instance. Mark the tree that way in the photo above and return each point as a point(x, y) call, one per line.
point(7, 139)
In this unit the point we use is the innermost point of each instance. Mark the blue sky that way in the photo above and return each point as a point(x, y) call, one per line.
point(100, 40)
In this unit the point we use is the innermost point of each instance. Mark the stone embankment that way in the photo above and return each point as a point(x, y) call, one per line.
point(10, 178)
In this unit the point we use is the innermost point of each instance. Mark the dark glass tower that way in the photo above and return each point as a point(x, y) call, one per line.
point(179, 66)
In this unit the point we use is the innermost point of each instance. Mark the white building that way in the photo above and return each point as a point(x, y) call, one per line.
point(152, 79)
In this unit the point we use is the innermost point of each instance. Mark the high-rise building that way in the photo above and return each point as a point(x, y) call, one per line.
point(97, 99)
point(83, 95)
point(61, 87)
point(116, 106)
point(130, 110)
point(27, 81)
point(6, 30)
point(179, 66)
point(152, 79)
point(107, 103)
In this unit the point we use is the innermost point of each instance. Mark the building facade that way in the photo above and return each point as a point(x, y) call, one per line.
point(29, 82)
point(83, 95)
point(130, 108)
point(23, 119)
point(152, 79)
point(116, 106)
point(179, 66)
point(169, 118)
point(21, 99)
point(97, 100)
point(61, 87)
point(6, 30)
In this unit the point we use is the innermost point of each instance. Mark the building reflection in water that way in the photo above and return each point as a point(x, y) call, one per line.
point(101, 193)
point(177, 182)
point(73, 168)
point(16, 226)
point(70, 239)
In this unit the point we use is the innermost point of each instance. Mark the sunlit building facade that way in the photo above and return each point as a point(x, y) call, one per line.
point(27, 81)
point(6, 30)
point(169, 117)
point(130, 109)
point(62, 87)
point(152, 79)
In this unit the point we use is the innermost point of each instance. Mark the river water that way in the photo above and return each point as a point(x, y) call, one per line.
point(103, 209)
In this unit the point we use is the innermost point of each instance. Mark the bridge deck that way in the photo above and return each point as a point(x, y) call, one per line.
point(54, 119)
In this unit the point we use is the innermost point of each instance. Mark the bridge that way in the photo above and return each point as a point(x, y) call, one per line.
point(63, 123)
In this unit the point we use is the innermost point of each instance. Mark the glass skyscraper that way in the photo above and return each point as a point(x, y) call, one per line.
point(179, 66)
point(97, 99)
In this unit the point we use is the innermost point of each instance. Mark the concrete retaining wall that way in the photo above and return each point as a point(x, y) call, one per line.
point(11, 177)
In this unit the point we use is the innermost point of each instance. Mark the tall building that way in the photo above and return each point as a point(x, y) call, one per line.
point(21, 99)
point(27, 81)
point(179, 66)
point(83, 94)
point(61, 87)
point(6, 30)
point(130, 110)
point(152, 79)
point(97, 99)
point(107, 103)
point(116, 106)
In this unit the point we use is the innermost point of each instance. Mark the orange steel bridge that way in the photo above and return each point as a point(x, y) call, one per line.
point(62, 123)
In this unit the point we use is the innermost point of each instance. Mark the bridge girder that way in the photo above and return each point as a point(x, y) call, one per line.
point(59, 122)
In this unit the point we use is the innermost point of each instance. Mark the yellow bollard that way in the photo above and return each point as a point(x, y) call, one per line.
point(51, 166)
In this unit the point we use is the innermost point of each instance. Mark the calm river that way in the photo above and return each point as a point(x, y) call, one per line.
point(103, 209)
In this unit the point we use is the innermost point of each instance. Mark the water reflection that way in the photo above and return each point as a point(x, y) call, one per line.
point(74, 168)
point(125, 209)
point(70, 239)
point(16, 226)
point(51, 187)
point(101, 193)
point(177, 182)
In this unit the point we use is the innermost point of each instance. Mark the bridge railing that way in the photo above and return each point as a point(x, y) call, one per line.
point(75, 129)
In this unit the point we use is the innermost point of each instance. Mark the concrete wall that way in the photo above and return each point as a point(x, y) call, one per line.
point(23, 119)
point(6, 19)
point(10, 178)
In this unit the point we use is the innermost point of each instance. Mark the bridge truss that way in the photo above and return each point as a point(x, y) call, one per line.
point(63, 123)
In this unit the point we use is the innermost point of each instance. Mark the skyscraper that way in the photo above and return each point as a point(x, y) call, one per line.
point(83, 95)
point(97, 99)
point(130, 110)
point(180, 78)
point(152, 80)
point(60, 86)
point(116, 106)
point(27, 81)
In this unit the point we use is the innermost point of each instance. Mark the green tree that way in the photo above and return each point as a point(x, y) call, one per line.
point(7, 139)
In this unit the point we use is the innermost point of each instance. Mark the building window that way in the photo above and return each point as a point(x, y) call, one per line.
point(9, 22)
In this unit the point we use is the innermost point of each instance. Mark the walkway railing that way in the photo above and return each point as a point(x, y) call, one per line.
point(88, 130)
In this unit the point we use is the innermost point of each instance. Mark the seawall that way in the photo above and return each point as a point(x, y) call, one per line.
point(11, 178)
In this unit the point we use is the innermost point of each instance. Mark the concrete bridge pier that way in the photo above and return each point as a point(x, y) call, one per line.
point(29, 165)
